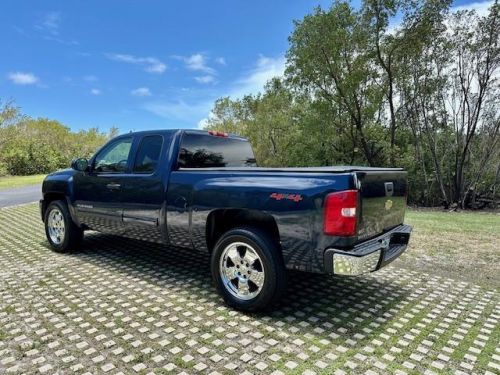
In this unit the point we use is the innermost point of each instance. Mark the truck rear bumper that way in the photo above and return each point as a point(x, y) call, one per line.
point(370, 255)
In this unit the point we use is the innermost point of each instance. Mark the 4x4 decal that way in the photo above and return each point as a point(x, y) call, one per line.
point(292, 197)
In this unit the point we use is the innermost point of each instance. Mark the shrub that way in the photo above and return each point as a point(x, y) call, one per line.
point(35, 146)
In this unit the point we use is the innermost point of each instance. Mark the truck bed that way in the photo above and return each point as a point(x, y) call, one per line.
point(382, 191)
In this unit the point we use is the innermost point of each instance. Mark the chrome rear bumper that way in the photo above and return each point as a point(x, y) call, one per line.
point(370, 255)
point(344, 264)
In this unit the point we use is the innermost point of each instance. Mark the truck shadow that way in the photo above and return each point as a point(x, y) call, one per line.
point(318, 304)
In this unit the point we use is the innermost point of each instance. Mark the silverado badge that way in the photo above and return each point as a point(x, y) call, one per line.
point(388, 204)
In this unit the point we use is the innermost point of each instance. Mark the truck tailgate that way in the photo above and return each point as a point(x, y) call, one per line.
point(383, 201)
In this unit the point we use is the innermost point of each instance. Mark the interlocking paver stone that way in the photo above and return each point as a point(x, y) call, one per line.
point(121, 306)
point(107, 367)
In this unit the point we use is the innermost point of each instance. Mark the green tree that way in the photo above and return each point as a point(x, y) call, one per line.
point(475, 87)
point(358, 89)
point(32, 146)
point(328, 58)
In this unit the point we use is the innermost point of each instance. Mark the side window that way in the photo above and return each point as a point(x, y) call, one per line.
point(113, 159)
point(148, 154)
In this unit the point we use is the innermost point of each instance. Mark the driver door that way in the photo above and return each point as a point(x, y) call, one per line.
point(98, 193)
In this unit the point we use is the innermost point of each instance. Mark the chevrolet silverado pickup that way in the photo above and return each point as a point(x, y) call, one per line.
point(203, 191)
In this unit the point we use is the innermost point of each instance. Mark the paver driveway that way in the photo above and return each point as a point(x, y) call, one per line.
point(125, 306)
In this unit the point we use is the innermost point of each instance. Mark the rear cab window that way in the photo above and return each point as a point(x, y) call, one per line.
point(148, 154)
point(210, 151)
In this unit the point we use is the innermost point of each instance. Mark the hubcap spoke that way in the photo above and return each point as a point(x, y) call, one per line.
point(250, 258)
point(229, 272)
point(241, 270)
point(243, 287)
point(257, 278)
point(233, 256)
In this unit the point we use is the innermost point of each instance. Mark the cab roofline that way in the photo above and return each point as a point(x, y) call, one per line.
point(170, 131)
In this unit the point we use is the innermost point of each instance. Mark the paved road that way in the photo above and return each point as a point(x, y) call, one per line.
point(26, 194)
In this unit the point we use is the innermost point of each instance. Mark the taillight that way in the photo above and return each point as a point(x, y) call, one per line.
point(340, 213)
point(218, 134)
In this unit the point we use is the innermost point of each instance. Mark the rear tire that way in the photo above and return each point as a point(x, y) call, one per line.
point(62, 233)
point(248, 269)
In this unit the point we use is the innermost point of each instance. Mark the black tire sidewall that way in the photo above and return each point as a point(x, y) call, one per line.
point(65, 244)
point(267, 251)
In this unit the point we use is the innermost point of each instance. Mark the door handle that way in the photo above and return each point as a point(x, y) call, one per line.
point(113, 186)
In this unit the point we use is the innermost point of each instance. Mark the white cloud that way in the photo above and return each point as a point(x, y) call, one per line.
point(141, 91)
point(49, 28)
point(205, 79)
point(196, 112)
point(198, 62)
point(150, 64)
point(50, 23)
point(204, 121)
point(255, 79)
point(20, 78)
point(220, 60)
point(95, 92)
point(481, 8)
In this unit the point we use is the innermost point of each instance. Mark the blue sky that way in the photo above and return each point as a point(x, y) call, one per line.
point(141, 65)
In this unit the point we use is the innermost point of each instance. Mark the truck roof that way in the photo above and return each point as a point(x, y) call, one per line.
point(170, 131)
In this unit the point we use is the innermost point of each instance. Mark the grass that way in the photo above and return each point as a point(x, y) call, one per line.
point(459, 245)
point(9, 182)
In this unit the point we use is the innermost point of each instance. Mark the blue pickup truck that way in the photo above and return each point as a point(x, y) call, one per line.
point(203, 190)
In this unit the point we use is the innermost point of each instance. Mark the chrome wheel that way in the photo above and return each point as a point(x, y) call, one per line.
point(241, 270)
point(56, 226)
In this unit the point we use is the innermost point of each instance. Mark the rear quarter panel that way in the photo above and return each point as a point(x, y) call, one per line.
point(193, 195)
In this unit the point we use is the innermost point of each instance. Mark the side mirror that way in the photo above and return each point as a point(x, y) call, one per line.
point(80, 164)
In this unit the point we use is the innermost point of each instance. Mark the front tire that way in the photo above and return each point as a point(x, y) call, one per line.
point(62, 233)
point(248, 269)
